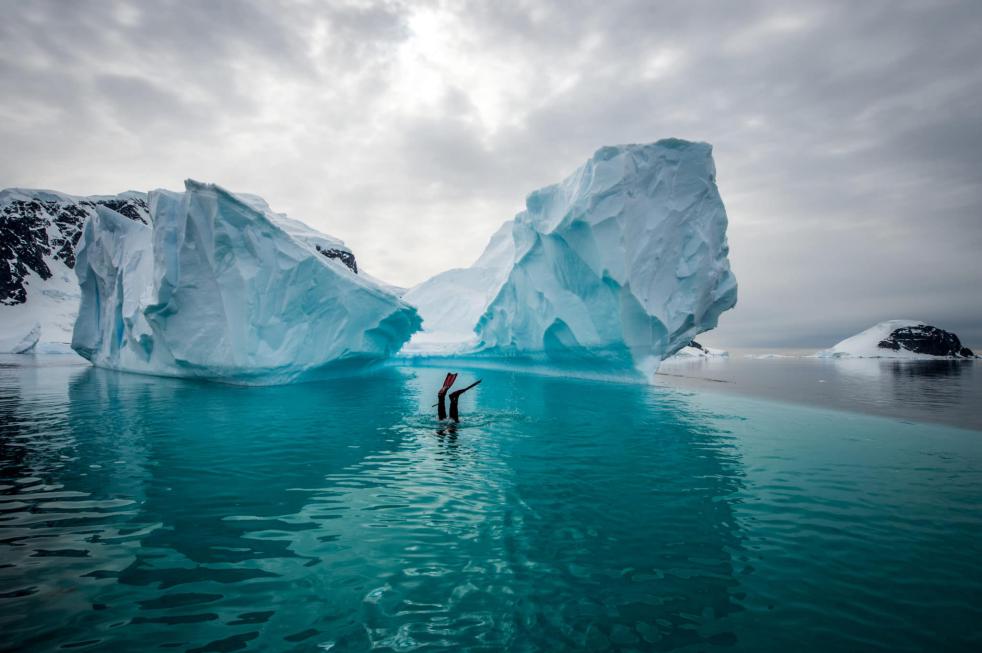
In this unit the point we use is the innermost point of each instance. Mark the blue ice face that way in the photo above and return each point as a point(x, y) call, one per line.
point(618, 266)
point(222, 288)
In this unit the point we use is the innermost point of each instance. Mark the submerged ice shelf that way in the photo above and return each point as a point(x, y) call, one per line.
point(616, 268)
point(220, 287)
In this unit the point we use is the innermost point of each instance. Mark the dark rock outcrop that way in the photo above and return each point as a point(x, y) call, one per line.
point(24, 244)
point(344, 256)
point(37, 227)
point(925, 340)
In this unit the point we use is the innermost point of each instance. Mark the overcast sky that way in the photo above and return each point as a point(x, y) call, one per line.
point(847, 136)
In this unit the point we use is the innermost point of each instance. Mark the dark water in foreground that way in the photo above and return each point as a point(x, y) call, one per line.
point(152, 514)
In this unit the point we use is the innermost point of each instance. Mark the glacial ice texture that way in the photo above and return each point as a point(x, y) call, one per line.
point(220, 287)
point(619, 266)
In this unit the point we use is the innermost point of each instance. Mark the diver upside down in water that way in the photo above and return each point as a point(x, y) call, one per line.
point(441, 410)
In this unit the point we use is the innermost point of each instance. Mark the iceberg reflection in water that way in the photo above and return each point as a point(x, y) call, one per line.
point(139, 512)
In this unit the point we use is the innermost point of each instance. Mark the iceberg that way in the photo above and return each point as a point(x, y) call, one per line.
point(39, 232)
point(617, 267)
point(909, 339)
point(220, 287)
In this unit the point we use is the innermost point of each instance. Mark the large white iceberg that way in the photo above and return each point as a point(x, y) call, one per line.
point(220, 287)
point(617, 267)
point(39, 232)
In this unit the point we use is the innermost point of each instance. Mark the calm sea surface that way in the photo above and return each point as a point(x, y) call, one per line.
point(945, 391)
point(140, 513)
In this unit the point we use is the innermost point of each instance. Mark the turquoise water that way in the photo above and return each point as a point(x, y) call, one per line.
point(140, 514)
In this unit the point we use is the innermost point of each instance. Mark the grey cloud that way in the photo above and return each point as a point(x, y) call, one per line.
point(138, 103)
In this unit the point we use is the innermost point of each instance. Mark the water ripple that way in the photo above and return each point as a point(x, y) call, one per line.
point(559, 515)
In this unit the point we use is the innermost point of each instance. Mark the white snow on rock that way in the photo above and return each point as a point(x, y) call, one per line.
point(617, 267)
point(39, 293)
point(220, 287)
point(864, 344)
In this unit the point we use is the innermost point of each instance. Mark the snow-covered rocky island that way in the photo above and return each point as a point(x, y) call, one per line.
point(220, 287)
point(910, 339)
point(615, 268)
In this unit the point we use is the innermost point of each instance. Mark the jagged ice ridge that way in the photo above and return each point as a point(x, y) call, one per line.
point(617, 267)
point(220, 287)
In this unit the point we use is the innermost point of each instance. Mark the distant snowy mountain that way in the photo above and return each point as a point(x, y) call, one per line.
point(616, 267)
point(39, 233)
point(911, 339)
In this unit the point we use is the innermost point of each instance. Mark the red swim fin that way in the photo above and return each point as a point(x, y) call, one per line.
point(448, 381)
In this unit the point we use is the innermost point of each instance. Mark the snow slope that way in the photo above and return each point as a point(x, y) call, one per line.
point(223, 288)
point(617, 267)
point(863, 344)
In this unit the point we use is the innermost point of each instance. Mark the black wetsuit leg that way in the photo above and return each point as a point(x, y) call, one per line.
point(455, 397)
point(448, 381)
point(441, 407)
point(454, 415)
